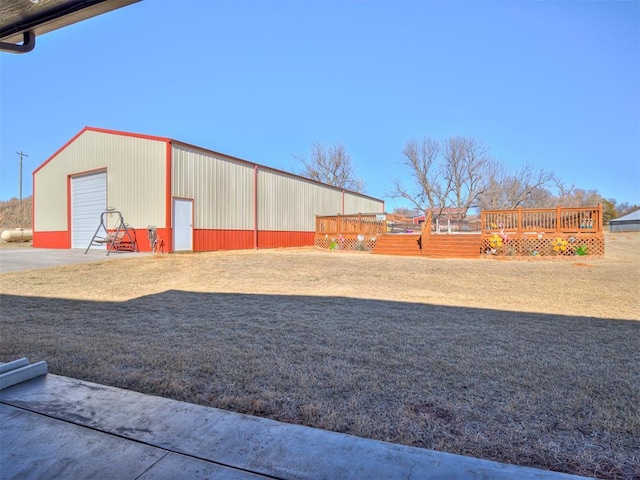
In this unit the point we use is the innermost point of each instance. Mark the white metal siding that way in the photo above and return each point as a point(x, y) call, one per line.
point(222, 189)
point(136, 183)
point(289, 203)
point(88, 201)
point(354, 203)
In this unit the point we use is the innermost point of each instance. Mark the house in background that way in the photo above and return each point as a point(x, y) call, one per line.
point(443, 214)
point(197, 199)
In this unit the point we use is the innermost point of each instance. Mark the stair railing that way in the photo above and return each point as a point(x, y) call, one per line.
point(425, 233)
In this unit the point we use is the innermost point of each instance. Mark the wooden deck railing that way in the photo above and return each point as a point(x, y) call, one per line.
point(358, 224)
point(557, 221)
point(426, 230)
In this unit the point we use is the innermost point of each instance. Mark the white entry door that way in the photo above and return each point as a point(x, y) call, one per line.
point(88, 201)
point(182, 225)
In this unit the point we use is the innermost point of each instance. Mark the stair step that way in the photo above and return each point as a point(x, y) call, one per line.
point(18, 371)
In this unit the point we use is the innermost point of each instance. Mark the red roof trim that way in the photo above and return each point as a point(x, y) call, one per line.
point(206, 150)
point(99, 130)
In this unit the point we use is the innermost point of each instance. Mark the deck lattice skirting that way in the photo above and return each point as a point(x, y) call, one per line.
point(543, 245)
point(348, 241)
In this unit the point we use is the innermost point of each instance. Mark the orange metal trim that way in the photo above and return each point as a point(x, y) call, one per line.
point(68, 210)
point(274, 239)
point(33, 202)
point(127, 134)
point(168, 200)
point(88, 172)
point(209, 240)
point(59, 150)
point(51, 240)
point(255, 207)
point(100, 130)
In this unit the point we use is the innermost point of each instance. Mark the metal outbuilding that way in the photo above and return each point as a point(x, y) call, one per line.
point(628, 223)
point(197, 199)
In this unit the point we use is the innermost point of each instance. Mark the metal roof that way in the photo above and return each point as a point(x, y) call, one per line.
point(633, 216)
point(24, 20)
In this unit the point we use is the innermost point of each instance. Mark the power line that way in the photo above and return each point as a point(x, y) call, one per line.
point(21, 155)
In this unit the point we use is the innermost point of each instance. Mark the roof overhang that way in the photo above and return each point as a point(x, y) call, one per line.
point(24, 20)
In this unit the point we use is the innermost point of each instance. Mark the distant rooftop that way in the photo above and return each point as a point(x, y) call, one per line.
point(628, 218)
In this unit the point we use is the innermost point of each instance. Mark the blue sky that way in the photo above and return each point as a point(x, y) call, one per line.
point(554, 84)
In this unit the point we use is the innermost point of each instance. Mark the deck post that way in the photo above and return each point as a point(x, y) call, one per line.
point(519, 219)
point(600, 220)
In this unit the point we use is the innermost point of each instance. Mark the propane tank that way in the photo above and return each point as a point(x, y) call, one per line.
point(17, 235)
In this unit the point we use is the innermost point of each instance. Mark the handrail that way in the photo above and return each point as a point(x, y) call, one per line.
point(361, 223)
point(425, 233)
point(559, 220)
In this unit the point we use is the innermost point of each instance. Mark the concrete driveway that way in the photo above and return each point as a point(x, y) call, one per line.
point(17, 259)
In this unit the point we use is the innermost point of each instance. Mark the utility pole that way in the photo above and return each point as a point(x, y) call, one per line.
point(21, 155)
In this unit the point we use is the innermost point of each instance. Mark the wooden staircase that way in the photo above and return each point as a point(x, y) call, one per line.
point(398, 244)
point(437, 246)
point(453, 246)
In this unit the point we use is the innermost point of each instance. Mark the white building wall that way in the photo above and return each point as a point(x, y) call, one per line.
point(221, 188)
point(290, 203)
point(136, 181)
point(354, 203)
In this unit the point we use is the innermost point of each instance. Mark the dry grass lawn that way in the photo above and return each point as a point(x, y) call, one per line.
point(532, 362)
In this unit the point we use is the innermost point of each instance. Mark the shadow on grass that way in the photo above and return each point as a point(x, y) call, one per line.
point(548, 391)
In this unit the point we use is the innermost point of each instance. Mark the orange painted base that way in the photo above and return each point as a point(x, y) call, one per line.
point(141, 237)
point(203, 240)
point(267, 239)
point(63, 239)
point(51, 239)
point(207, 240)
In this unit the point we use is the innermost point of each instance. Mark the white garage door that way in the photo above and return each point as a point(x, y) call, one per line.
point(88, 201)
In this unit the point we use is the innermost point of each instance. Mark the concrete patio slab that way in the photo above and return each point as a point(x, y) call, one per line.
point(42, 447)
point(18, 259)
point(199, 439)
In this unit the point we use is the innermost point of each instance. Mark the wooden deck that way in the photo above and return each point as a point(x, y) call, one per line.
point(519, 232)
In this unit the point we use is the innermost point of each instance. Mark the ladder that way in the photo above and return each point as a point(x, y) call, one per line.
point(118, 239)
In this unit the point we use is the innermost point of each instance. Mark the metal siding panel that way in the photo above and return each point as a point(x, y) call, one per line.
point(354, 203)
point(290, 204)
point(50, 198)
point(222, 189)
point(267, 239)
point(207, 240)
point(135, 179)
point(329, 202)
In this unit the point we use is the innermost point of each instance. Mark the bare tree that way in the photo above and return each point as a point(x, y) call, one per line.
point(407, 212)
point(445, 174)
point(466, 163)
point(429, 190)
point(332, 166)
point(527, 187)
